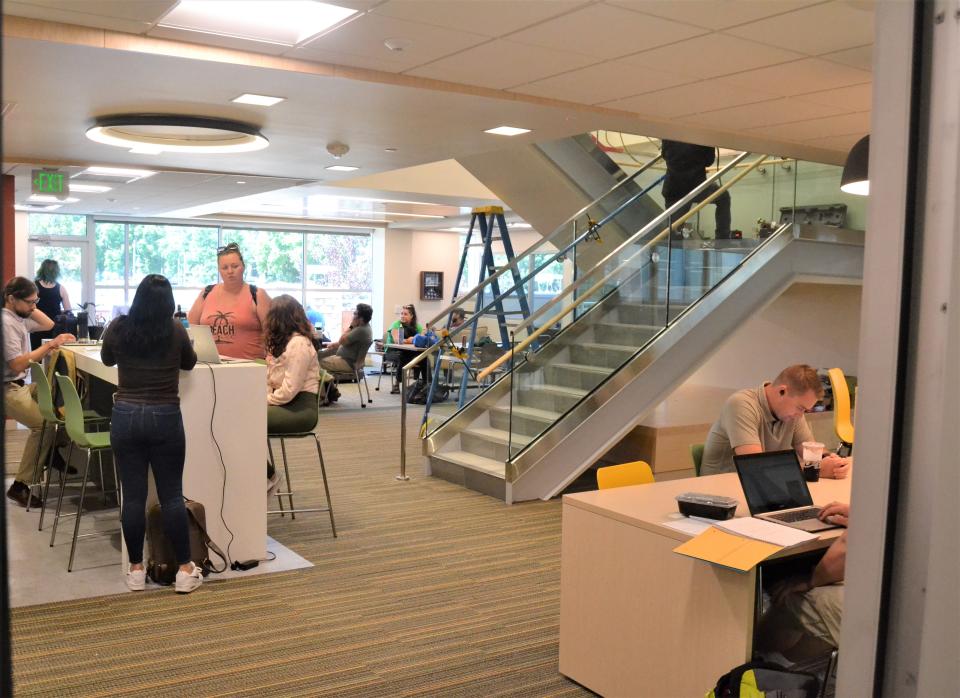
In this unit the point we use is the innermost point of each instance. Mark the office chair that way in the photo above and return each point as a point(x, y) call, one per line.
point(636, 473)
point(842, 423)
point(288, 493)
point(90, 441)
point(696, 454)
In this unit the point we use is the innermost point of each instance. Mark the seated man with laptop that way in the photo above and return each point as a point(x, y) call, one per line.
point(768, 418)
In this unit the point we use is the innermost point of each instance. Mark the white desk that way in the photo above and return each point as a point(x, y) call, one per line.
point(637, 619)
point(239, 428)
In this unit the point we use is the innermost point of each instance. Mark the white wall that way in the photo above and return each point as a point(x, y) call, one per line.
point(21, 231)
point(816, 324)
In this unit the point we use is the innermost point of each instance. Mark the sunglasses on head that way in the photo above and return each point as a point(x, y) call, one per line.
point(231, 247)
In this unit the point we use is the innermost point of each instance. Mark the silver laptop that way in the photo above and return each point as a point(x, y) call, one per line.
point(203, 344)
point(775, 490)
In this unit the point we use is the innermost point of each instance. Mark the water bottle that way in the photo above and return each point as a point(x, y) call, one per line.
point(182, 317)
point(83, 326)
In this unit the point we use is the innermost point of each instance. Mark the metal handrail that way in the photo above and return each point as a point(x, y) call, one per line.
point(529, 251)
point(599, 284)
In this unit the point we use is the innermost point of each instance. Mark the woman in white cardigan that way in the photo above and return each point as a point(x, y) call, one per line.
point(293, 373)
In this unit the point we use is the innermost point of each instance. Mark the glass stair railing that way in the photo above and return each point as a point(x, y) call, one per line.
point(621, 297)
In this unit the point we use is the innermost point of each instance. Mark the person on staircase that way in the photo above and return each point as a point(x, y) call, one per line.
point(687, 165)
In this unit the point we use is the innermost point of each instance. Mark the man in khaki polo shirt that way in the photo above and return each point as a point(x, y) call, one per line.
point(768, 418)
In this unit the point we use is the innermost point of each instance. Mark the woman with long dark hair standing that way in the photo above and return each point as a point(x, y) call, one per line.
point(53, 297)
point(150, 348)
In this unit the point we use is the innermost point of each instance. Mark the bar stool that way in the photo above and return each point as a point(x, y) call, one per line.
point(41, 471)
point(92, 442)
point(310, 434)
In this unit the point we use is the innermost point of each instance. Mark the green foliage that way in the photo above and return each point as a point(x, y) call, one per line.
point(56, 225)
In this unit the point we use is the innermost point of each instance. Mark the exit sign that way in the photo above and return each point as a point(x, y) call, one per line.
point(50, 182)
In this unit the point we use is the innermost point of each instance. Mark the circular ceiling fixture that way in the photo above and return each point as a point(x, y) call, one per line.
point(174, 133)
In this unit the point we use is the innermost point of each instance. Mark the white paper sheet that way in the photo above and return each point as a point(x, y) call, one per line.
point(766, 531)
point(685, 524)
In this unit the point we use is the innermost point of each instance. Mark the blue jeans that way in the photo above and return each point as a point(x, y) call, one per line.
point(142, 436)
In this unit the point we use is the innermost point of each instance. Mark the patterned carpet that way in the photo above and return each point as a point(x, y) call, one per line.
point(430, 590)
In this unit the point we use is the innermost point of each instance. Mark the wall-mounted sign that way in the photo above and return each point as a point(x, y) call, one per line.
point(50, 183)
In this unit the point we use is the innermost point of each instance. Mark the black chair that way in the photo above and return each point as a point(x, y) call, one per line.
point(357, 374)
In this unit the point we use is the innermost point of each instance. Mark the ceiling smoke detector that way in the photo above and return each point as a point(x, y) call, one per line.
point(397, 44)
point(338, 149)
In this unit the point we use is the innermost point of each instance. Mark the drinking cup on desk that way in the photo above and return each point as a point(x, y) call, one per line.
point(811, 472)
point(812, 455)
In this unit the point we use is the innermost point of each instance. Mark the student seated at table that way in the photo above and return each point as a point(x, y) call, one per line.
point(768, 418)
point(804, 618)
point(457, 317)
point(293, 375)
point(341, 356)
point(403, 331)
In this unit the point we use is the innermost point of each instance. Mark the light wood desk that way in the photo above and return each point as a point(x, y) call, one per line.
point(234, 395)
point(637, 619)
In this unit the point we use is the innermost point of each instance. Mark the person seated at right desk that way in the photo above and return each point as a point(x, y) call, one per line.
point(403, 331)
point(293, 375)
point(341, 356)
point(768, 418)
point(810, 605)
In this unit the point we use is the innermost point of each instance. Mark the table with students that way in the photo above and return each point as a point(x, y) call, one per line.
point(637, 619)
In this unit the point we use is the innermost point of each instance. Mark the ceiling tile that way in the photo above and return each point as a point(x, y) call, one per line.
point(688, 99)
point(601, 83)
point(365, 36)
point(139, 11)
point(798, 77)
point(492, 18)
point(825, 28)
point(855, 98)
point(752, 116)
point(54, 14)
point(711, 55)
point(811, 129)
point(344, 58)
point(605, 31)
point(713, 14)
point(501, 64)
point(839, 143)
point(860, 57)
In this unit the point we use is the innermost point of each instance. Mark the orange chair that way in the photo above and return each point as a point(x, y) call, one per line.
point(636, 473)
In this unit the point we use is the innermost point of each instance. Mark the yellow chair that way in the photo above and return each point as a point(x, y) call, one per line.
point(696, 454)
point(842, 423)
point(636, 473)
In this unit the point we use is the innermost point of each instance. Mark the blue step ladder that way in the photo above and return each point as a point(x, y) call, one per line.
point(488, 221)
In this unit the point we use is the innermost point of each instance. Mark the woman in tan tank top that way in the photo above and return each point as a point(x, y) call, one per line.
point(235, 311)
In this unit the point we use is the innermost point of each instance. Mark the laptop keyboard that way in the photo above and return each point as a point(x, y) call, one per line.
point(794, 516)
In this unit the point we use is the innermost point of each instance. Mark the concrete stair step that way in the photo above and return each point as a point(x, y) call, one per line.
point(548, 396)
point(623, 333)
point(491, 442)
point(471, 471)
point(597, 354)
point(582, 376)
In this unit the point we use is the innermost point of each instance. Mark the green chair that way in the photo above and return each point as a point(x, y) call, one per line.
point(90, 441)
point(288, 492)
point(41, 471)
point(696, 453)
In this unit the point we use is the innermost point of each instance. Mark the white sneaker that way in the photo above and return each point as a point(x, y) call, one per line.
point(273, 482)
point(188, 581)
point(136, 579)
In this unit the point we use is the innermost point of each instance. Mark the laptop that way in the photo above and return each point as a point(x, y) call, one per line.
point(775, 490)
point(203, 344)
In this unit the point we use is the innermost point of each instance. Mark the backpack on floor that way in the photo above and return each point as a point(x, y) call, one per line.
point(162, 563)
point(765, 680)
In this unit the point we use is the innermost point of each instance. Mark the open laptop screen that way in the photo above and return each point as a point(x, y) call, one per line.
point(772, 481)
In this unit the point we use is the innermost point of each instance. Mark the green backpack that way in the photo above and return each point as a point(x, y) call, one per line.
point(765, 680)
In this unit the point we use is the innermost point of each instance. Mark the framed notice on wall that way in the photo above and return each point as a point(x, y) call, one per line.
point(431, 285)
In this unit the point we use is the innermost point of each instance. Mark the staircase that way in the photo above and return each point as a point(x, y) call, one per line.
point(650, 315)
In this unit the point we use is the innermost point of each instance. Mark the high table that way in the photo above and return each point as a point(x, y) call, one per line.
point(637, 619)
point(224, 410)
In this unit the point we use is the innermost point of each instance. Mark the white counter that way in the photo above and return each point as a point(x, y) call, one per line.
point(234, 394)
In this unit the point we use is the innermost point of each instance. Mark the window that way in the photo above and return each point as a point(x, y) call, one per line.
point(56, 225)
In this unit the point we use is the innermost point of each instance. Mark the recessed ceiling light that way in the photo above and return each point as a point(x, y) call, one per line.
point(127, 172)
point(342, 168)
point(258, 100)
point(89, 188)
point(524, 226)
point(286, 22)
point(241, 181)
point(389, 150)
point(31, 207)
point(507, 131)
point(177, 133)
point(45, 199)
